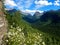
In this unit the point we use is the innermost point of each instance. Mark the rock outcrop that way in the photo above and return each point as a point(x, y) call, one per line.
point(3, 22)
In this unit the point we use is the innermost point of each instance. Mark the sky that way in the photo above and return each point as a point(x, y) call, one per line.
point(31, 6)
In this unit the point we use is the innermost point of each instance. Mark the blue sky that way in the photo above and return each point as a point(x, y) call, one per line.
point(31, 6)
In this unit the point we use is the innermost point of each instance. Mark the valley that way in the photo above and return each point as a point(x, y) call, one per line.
point(42, 31)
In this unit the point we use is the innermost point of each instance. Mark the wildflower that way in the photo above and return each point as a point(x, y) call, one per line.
point(18, 40)
point(27, 41)
point(43, 43)
point(40, 34)
point(11, 26)
point(35, 44)
point(9, 33)
point(19, 29)
point(6, 40)
point(24, 44)
point(9, 36)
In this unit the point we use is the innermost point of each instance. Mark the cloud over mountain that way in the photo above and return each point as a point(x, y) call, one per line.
point(31, 11)
point(31, 5)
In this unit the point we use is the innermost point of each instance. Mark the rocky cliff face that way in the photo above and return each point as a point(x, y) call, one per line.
point(3, 25)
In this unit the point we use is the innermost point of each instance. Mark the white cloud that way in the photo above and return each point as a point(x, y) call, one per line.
point(31, 11)
point(28, 3)
point(10, 3)
point(19, 4)
point(24, 4)
point(57, 3)
point(28, 11)
point(43, 2)
point(8, 9)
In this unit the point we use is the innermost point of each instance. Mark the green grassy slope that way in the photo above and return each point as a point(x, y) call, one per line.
point(21, 32)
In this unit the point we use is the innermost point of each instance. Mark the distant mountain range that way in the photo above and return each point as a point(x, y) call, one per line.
point(49, 22)
point(33, 18)
point(11, 11)
point(27, 16)
point(52, 15)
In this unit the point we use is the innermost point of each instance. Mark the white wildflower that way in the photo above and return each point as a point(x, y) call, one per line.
point(6, 40)
point(40, 34)
point(16, 33)
point(24, 44)
point(19, 29)
point(9, 33)
point(43, 43)
point(40, 40)
point(18, 40)
point(27, 41)
point(22, 33)
point(11, 26)
point(9, 36)
point(35, 44)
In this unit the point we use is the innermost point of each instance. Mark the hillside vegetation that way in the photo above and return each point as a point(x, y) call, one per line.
point(41, 32)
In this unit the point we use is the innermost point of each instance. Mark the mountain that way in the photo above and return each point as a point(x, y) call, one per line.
point(11, 10)
point(49, 23)
point(37, 15)
point(29, 18)
point(54, 16)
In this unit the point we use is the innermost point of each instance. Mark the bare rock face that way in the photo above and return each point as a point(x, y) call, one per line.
point(3, 25)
